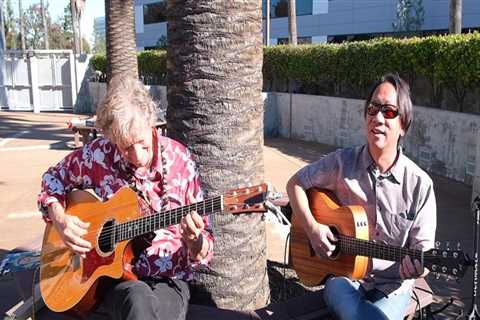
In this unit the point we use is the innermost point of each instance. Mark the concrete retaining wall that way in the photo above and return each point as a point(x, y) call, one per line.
point(443, 142)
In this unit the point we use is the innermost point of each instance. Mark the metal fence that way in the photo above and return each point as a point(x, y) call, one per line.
point(41, 80)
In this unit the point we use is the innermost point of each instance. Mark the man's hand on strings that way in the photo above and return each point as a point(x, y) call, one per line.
point(71, 229)
point(411, 269)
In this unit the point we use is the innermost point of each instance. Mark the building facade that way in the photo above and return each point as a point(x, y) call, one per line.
point(99, 27)
point(320, 20)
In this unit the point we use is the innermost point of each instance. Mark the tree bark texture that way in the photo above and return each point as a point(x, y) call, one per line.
point(215, 107)
point(292, 22)
point(121, 47)
point(75, 22)
point(22, 25)
point(455, 21)
point(45, 28)
point(3, 43)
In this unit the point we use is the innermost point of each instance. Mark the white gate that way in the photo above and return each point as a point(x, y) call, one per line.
point(41, 80)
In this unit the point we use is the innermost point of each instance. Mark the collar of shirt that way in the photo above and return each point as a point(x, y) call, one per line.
point(394, 174)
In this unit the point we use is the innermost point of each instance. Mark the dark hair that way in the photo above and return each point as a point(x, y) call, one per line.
point(404, 101)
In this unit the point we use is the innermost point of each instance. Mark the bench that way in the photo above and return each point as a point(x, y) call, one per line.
point(86, 129)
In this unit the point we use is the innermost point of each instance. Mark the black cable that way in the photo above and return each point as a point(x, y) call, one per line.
point(285, 275)
point(417, 300)
point(33, 291)
point(424, 290)
point(448, 304)
point(285, 265)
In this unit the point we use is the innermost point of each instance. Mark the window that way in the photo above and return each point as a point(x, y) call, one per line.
point(279, 8)
point(300, 40)
point(155, 12)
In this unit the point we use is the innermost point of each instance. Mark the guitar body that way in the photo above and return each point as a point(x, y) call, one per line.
point(350, 221)
point(67, 280)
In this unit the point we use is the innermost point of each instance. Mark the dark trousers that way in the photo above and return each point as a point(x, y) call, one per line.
point(165, 299)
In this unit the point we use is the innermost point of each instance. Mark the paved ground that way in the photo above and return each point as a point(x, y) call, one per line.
point(30, 143)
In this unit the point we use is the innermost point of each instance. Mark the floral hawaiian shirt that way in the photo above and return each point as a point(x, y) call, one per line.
point(99, 166)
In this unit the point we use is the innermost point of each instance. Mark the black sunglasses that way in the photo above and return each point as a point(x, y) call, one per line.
point(389, 111)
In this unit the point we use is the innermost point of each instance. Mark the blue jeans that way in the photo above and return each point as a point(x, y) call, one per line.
point(348, 300)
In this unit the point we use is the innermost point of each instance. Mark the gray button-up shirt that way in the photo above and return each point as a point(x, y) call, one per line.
point(400, 204)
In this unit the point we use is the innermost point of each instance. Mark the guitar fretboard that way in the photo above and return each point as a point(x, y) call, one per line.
point(368, 248)
point(160, 220)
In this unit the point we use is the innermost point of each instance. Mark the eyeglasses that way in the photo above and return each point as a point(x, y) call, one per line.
point(389, 111)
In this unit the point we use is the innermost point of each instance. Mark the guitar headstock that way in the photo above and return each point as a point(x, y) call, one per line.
point(249, 199)
point(447, 262)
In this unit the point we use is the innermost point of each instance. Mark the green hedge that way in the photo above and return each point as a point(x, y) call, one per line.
point(152, 66)
point(446, 62)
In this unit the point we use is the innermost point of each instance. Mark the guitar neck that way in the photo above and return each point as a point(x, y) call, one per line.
point(368, 248)
point(161, 220)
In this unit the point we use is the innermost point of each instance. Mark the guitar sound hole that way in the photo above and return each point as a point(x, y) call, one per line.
point(106, 237)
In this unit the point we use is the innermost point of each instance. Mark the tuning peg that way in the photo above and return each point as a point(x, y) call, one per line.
point(459, 246)
point(437, 244)
point(437, 275)
point(450, 278)
point(447, 245)
point(444, 269)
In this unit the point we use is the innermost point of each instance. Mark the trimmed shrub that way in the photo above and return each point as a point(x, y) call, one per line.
point(449, 65)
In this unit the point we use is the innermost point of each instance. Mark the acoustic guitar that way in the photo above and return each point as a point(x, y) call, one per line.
point(354, 248)
point(68, 282)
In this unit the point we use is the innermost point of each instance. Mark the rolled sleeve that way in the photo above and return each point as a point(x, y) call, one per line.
point(320, 174)
point(70, 173)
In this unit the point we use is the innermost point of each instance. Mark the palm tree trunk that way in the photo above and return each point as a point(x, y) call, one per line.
point(3, 43)
point(267, 23)
point(455, 13)
point(76, 40)
point(292, 22)
point(215, 107)
point(22, 25)
point(44, 25)
point(121, 47)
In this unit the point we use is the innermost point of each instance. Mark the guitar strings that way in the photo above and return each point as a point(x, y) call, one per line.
point(188, 208)
point(144, 224)
point(159, 219)
point(351, 243)
point(156, 218)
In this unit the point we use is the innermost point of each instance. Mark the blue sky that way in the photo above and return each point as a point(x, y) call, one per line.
point(93, 9)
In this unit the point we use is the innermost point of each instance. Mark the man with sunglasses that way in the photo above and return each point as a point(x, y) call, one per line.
point(398, 198)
